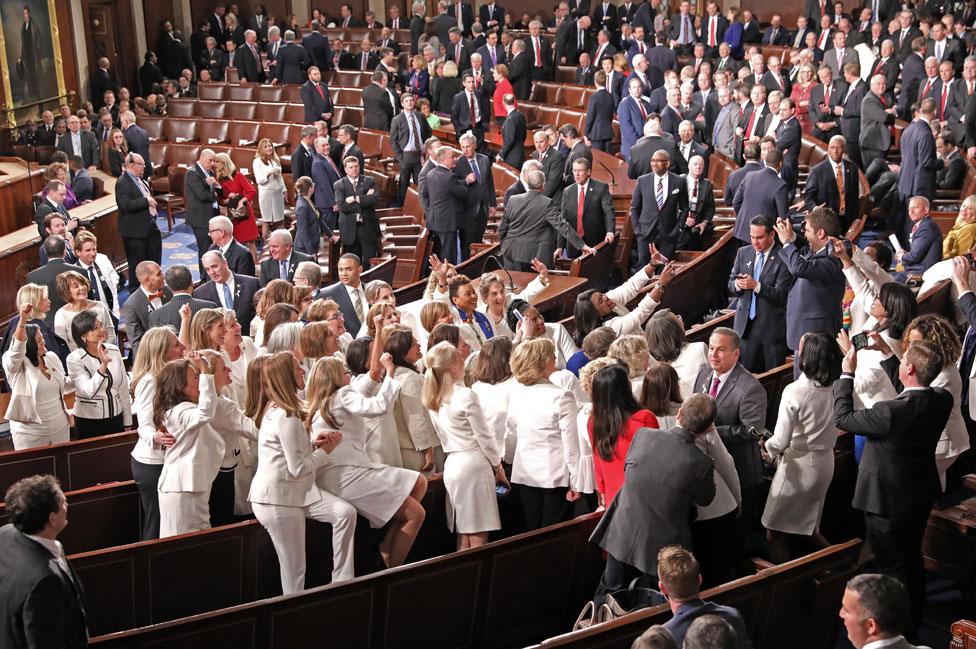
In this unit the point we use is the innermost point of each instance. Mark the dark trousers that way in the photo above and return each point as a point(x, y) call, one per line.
point(759, 354)
point(714, 547)
point(472, 233)
point(409, 169)
point(543, 506)
point(512, 264)
point(870, 155)
point(665, 245)
point(446, 245)
point(617, 575)
point(365, 251)
point(222, 498)
point(88, 428)
point(600, 145)
point(137, 249)
point(147, 479)
point(202, 235)
point(898, 553)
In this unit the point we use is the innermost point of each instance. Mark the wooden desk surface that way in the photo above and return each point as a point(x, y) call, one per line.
point(561, 289)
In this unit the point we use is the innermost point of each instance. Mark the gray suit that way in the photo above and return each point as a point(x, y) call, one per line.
point(528, 230)
point(135, 313)
point(830, 60)
point(665, 463)
point(875, 137)
point(169, 313)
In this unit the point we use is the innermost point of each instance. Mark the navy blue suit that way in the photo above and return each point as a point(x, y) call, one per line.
point(763, 337)
point(926, 247)
point(762, 193)
point(599, 119)
point(631, 123)
point(814, 302)
point(688, 612)
point(736, 177)
point(310, 223)
point(918, 162)
point(325, 176)
point(788, 137)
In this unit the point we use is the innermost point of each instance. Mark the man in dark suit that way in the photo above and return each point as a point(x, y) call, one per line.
point(137, 217)
point(491, 16)
point(531, 225)
point(201, 189)
point(150, 294)
point(654, 140)
point(761, 193)
point(788, 135)
point(588, 208)
point(944, 48)
point(886, 64)
point(913, 76)
point(446, 197)
point(316, 99)
point(492, 53)
point(458, 49)
point(468, 112)
point(668, 464)
point(683, 30)
point(324, 174)
point(897, 480)
point(292, 61)
point(513, 135)
point(101, 80)
point(659, 200)
point(55, 248)
point(481, 202)
point(43, 596)
point(356, 198)
point(877, 116)
point(951, 99)
point(540, 55)
point(348, 292)
point(600, 109)
point(344, 146)
point(378, 103)
point(570, 136)
point(761, 282)
point(316, 43)
point(81, 143)
point(919, 164)
point(212, 58)
point(301, 157)
point(227, 289)
point(954, 166)
point(552, 162)
point(814, 302)
point(346, 18)
point(180, 281)
point(519, 71)
point(463, 17)
point(284, 258)
point(924, 240)
point(750, 153)
point(574, 41)
point(137, 140)
point(822, 187)
point(583, 75)
point(849, 110)
point(755, 118)
point(248, 59)
point(775, 34)
point(408, 132)
point(238, 257)
point(602, 48)
point(824, 97)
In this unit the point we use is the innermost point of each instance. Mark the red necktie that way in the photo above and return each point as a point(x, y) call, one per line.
point(640, 104)
point(925, 90)
point(711, 31)
point(877, 70)
point(321, 92)
point(945, 94)
point(751, 124)
point(826, 100)
point(538, 53)
point(640, 46)
point(474, 118)
point(579, 211)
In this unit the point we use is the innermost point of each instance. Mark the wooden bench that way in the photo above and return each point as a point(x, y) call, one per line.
point(963, 635)
point(949, 545)
point(700, 285)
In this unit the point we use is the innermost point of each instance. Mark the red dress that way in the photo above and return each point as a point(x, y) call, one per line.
point(801, 101)
point(245, 230)
point(502, 88)
point(610, 475)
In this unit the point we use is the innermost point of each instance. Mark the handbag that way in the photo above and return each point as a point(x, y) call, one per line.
point(633, 598)
point(237, 209)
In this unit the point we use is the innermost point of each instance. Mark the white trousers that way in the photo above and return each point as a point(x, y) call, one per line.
point(182, 512)
point(30, 440)
point(286, 527)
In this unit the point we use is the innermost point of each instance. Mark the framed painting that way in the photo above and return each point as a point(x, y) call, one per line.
point(30, 57)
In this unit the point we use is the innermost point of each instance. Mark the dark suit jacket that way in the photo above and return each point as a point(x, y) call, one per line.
point(850, 121)
point(239, 259)
point(47, 275)
point(916, 177)
point(762, 193)
point(400, 133)
point(466, 51)
point(821, 189)
point(552, 166)
point(481, 195)
point(301, 161)
point(291, 63)
point(135, 313)
point(513, 139)
point(774, 287)
point(953, 52)
point(244, 289)
point(817, 96)
point(814, 302)
point(315, 104)
point(200, 198)
point(365, 208)
point(337, 293)
point(690, 611)
point(598, 216)
point(271, 270)
point(485, 15)
point(889, 69)
point(90, 152)
point(568, 45)
point(599, 116)
point(530, 226)
point(580, 150)
point(137, 140)
point(670, 466)
point(445, 195)
point(169, 313)
point(952, 173)
point(44, 606)
point(461, 115)
point(310, 224)
point(925, 249)
point(651, 223)
point(135, 221)
point(317, 46)
point(377, 110)
point(324, 176)
point(641, 152)
point(897, 477)
point(912, 72)
point(248, 68)
point(520, 75)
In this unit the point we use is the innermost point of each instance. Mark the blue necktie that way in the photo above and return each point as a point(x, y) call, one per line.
point(756, 271)
point(228, 298)
point(283, 269)
point(474, 168)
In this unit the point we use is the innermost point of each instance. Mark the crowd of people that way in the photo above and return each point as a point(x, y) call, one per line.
point(262, 392)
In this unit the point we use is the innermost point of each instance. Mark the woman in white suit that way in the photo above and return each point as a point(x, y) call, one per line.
point(238, 352)
point(528, 324)
point(157, 347)
point(866, 274)
point(283, 493)
point(803, 442)
point(492, 383)
point(418, 438)
point(542, 418)
point(379, 493)
point(474, 463)
point(666, 342)
point(102, 401)
point(955, 438)
point(37, 413)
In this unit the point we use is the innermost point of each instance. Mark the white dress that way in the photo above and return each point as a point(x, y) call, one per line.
point(271, 190)
point(64, 317)
point(804, 439)
point(687, 364)
point(375, 490)
point(472, 450)
point(494, 404)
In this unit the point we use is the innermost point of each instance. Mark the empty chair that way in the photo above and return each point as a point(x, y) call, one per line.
point(269, 93)
point(270, 112)
point(153, 125)
point(212, 131)
point(181, 107)
point(211, 109)
point(350, 96)
point(292, 94)
point(295, 113)
point(277, 132)
point(244, 133)
point(353, 116)
point(210, 90)
point(240, 110)
point(239, 93)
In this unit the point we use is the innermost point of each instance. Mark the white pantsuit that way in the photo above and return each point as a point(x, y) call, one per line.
point(415, 431)
point(271, 190)
point(542, 418)
point(955, 437)
point(283, 494)
point(36, 412)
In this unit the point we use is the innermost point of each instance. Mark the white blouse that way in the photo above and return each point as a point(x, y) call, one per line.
point(263, 175)
point(146, 450)
point(64, 317)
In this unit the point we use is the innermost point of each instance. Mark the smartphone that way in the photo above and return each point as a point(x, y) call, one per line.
point(518, 315)
point(502, 490)
point(860, 341)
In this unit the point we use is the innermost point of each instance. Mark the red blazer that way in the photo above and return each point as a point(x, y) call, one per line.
point(610, 475)
point(502, 88)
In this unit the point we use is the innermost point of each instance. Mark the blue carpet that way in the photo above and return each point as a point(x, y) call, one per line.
point(179, 247)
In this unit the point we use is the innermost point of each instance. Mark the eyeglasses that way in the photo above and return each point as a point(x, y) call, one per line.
point(337, 316)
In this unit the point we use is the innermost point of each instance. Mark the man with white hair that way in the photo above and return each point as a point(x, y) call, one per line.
point(238, 257)
point(248, 59)
point(654, 140)
point(201, 189)
point(518, 187)
point(446, 195)
point(229, 290)
point(284, 259)
point(291, 62)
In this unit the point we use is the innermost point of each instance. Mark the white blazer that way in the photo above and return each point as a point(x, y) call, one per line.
point(625, 321)
point(494, 405)
point(414, 427)
point(955, 437)
point(146, 450)
point(64, 317)
point(287, 462)
point(865, 278)
point(542, 417)
point(22, 377)
point(529, 293)
point(193, 461)
point(461, 425)
point(349, 408)
point(806, 419)
point(98, 396)
point(688, 363)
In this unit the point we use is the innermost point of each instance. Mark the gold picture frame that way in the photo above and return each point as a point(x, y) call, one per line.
point(11, 109)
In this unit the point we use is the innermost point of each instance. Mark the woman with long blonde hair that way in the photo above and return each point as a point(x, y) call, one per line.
point(271, 186)
point(208, 328)
point(283, 493)
point(380, 493)
point(474, 459)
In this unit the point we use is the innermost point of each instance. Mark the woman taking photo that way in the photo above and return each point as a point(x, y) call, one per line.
point(616, 417)
point(238, 195)
point(283, 493)
point(271, 186)
point(542, 418)
point(474, 464)
point(418, 438)
point(73, 288)
point(531, 325)
point(37, 413)
point(95, 367)
point(382, 438)
point(802, 446)
point(379, 493)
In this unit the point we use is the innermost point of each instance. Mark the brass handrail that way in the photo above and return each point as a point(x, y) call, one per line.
point(4, 108)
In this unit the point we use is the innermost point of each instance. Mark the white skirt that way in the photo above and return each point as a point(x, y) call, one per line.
point(272, 203)
point(472, 505)
point(376, 492)
point(797, 494)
